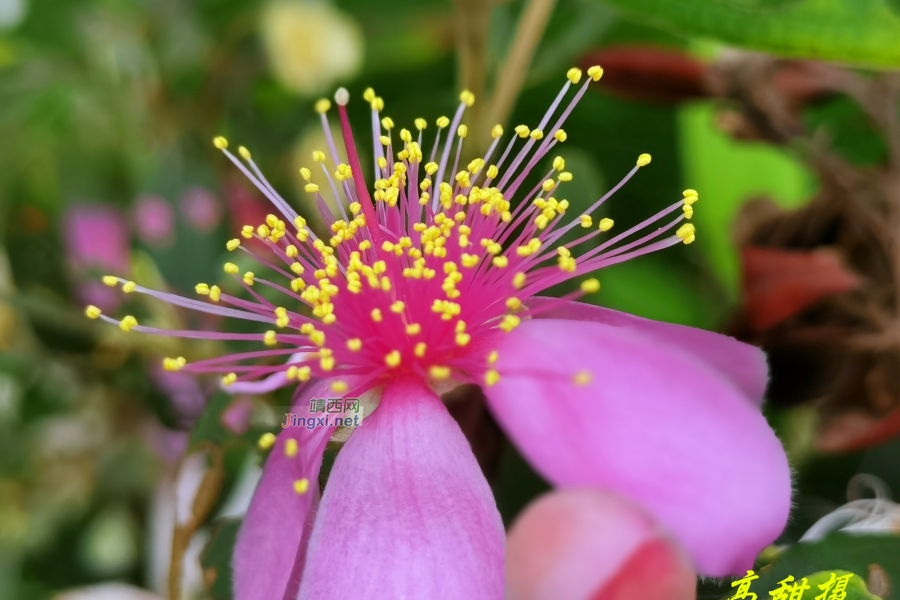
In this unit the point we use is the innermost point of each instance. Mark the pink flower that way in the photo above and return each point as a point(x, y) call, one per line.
point(201, 209)
point(154, 221)
point(584, 544)
point(435, 283)
point(96, 237)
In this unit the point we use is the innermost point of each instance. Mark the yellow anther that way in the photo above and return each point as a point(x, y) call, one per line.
point(128, 287)
point(686, 233)
point(174, 364)
point(385, 140)
point(413, 329)
point(318, 156)
point(305, 173)
point(92, 312)
point(442, 122)
point(606, 224)
point(297, 284)
point(322, 105)
point(398, 306)
point(229, 379)
point(376, 315)
point(690, 198)
point(304, 373)
point(291, 447)
point(326, 363)
point(595, 72)
point(421, 124)
point(560, 135)
point(537, 134)
point(214, 293)
point(369, 95)
point(643, 160)
point(491, 377)
point(202, 289)
point(382, 163)
point(128, 323)
point(291, 373)
point(311, 188)
point(469, 260)
point(440, 373)
point(586, 221)
point(688, 211)
point(301, 486)
point(462, 131)
point(339, 387)
point(419, 350)
point(248, 277)
point(365, 245)
point(574, 75)
point(247, 231)
point(266, 441)
point(513, 303)
point(581, 378)
point(329, 318)
point(245, 154)
point(317, 338)
point(110, 280)
point(559, 163)
point(500, 261)
point(307, 328)
point(509, 323)
point(548, 185)
point(462, 339)
point(492, 357)
point(563, 251)
point(269, 338)
point(385, 284)
point(392, 359)
point(589, 286)
point(565, 176)
point(387, 123)
point(220, 142)
point(467, 97)
point(519, 281)
point(522, 131)
point(231, 268)
point(377, 103)
point(354, 344)
point(263, 231)
point(233, 244)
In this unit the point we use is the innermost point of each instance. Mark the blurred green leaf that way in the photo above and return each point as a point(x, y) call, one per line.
point(856, 31)
point(216, 557)
point(853, 553)
point(727, 174)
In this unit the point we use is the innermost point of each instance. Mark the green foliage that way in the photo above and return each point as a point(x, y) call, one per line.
point(864, 32)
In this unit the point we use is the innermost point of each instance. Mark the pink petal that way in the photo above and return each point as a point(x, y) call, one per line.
point(744, 364)
point(591, 545)
point(654, 424)
point(407, 512)
point(270, 549)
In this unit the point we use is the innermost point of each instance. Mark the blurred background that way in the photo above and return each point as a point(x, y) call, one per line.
point(782, 113)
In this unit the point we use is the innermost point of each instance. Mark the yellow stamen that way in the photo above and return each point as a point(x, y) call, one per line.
point(290, 448)
point(266, 441)
point(301, 486)
point(92, 312)
point(392, 359)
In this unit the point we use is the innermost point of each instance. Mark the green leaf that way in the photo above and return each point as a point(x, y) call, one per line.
point(727, 173)
point(839, 553)
point(216, 557)
point(863, 32)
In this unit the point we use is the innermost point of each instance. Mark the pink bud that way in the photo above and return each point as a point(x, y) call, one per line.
point(593, 545)
point(154, 221)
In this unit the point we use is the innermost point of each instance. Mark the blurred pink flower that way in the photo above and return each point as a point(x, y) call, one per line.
point(154, 221)
point(436, 283)
point(201, 209)
point(584, 544)
point(96, 238)
point(183, 390)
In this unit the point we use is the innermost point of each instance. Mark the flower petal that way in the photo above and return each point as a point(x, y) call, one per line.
point(586, 544)
point(744, 364)
point(655, 424)
point(407, 512)
point(270, 548)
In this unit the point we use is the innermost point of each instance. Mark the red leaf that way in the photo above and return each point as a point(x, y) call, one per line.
point(645, 73)
point(779, 284)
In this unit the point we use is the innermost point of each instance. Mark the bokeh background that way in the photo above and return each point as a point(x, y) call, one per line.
point(783, 113)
